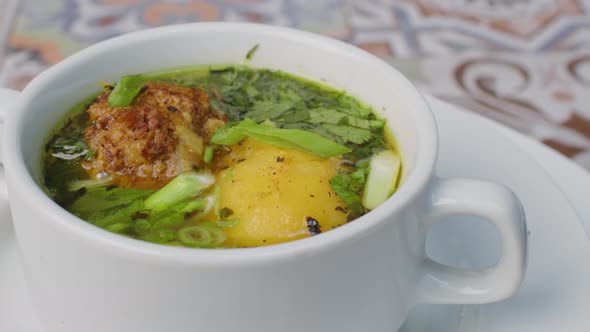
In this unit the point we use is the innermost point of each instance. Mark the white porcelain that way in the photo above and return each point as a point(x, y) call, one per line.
point(536, 307)
point(554, 295)
point(365, 275)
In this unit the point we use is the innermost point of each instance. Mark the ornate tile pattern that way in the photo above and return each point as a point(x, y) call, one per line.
point(525, 63)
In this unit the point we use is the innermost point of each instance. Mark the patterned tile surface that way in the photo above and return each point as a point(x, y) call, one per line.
point(525, 63)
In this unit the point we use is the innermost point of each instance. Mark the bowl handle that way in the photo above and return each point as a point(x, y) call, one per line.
point(8, 98)
point(496, 204)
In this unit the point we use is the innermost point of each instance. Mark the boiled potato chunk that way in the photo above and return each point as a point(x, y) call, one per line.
point(277, 194)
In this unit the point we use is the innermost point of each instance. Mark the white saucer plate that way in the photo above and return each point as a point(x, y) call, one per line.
point(556, 291)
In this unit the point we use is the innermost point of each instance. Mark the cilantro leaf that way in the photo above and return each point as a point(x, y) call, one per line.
point(350, 106)
point(267, 109)
point(349, 187)
point(105, 198)
point(295, 116)
point(341, 186)
point(350, 134)
point(325, 115)
point(333, 116)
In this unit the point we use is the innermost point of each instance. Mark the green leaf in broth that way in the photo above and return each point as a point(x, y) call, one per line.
point(161, 235)
point(104, 198)
point(348, 185)
point(337, 117)
point(350, 134)
point(181, 188)
point(295, 116)
point(266, 110)
point(351, 106)
point(201, 236)
point(228, 223)
point(341, 184)
point(208, 154)
point(228, 135)
point(89, 183)
point(117, 214)
point(295, 139)
point(252, 91)
point(126, 90)
point(68, 148)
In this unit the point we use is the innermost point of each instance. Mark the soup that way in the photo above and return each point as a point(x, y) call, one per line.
point(220, 158)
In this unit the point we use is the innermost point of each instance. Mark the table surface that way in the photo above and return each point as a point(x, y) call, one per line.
point(524, 63)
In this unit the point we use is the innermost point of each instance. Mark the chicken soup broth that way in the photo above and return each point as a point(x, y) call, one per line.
point(220, 158)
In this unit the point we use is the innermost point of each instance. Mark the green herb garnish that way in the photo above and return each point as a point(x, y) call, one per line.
point(286, 138)
point(183, 186)
point(225, 212)
point(349, 134)
point(126, 90)
point(349, 186)
point(208, 155)
point(251, 52)
point(68, 148)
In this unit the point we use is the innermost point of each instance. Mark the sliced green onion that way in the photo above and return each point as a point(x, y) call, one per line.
point(162, 235)
point(141, 225)
point(167, 220)
point(126, 90)
point(92, 183)
point(181, 188)
point(295, 139)
point(118, 227)
point(228, 223)
point(217, 236)
point(89, 155)
point(384, 169)
point(208, 155)
point(195, 236)
point(195, 205)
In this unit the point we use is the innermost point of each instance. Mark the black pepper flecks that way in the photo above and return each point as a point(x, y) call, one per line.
point(81, 191)
point(347, 163)
point(139, 215)
point(280, 159)
point(313, 226)
point(225, 212)
point(172, 109)
point(341, 209)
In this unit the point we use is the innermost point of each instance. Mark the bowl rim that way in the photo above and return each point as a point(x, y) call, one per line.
point(27, 187)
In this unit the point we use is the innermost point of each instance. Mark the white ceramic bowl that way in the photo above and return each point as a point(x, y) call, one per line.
point(363, 276)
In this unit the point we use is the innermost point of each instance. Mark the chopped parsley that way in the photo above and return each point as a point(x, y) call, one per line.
point(296, 104)
point(252, 51)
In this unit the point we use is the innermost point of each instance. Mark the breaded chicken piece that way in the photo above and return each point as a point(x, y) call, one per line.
point(159, 136)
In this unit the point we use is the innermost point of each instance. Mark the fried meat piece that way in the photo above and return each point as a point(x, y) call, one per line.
point(146, 144)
